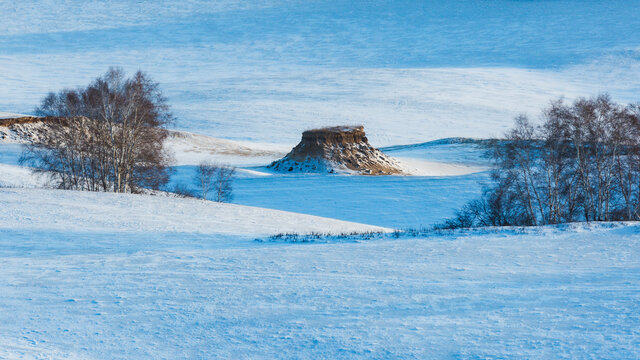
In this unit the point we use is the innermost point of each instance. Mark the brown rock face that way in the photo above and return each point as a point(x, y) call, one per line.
point(336, 149)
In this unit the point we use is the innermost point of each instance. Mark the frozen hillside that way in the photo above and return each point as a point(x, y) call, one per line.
point(191, 149)
point(4, 115)
point(409, 71)
point(56, 210)
point(87, 275)
point(120, 293)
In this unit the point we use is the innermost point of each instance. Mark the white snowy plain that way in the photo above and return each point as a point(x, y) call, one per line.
point(120, 293)
point(409, 71)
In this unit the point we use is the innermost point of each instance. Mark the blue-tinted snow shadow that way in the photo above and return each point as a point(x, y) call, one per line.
point(10, 153)
point(47, 242)
point(391, 201)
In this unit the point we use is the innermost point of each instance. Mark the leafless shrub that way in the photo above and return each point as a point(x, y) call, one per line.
point(326, 237)
point(183, 191)
point(216, 179)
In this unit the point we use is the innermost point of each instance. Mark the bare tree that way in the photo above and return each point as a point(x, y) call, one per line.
point(582, 163)
point(204, 178)
point(216, 179)
point(108, 136)
point(223, 184)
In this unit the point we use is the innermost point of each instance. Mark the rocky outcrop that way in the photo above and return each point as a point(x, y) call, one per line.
point(26, 129)
point(340, 149)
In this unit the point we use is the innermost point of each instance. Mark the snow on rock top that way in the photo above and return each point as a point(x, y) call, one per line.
point(337, 149)
point(6, 115)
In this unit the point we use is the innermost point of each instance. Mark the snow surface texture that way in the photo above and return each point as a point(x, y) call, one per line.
point(192, 149)
point(391, 201)
point(117, 276)
point(20, 177)
point(409, 71)
point(54, 210)
point(121, 294)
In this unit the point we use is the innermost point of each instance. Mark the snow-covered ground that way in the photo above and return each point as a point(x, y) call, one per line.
point(410, 71)
point(95, 276)
point(445, 176)
point(389, 201)
point(192, 149)
point(554, 293)
point(56, 210)
point(5, 115)
point(20, 177)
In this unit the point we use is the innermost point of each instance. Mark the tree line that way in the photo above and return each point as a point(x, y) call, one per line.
point(580, 163)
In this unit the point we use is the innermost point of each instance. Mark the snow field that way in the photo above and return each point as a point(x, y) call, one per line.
point(95, 276)
point(561, 293)
point(388, 201)
point(84, 211)
point(267, 70)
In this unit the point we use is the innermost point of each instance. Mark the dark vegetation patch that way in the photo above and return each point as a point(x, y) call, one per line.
point(581, 163)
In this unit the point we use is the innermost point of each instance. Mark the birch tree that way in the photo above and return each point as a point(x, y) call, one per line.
point(108, 136)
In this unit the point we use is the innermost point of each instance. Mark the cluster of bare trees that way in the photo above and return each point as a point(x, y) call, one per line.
point(582, 163)
point(215, 179)
point(106, 137)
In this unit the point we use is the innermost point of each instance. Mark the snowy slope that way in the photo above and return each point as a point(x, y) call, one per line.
point(447, 176)
point(192, 149)
point(97, 276)
point(390, 201)
point(57, 210)
point(409, 71)
point(20, 177)
point(565, 294)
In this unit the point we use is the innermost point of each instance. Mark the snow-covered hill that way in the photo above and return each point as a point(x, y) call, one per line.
point(192, 149)
point(5, 115)
point(555, 293)
point(409, 71)
point(108, 276)
point(446, 177)
point(57, 210)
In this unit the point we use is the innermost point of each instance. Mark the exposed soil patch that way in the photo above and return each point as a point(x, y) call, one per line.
point(24, 129)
